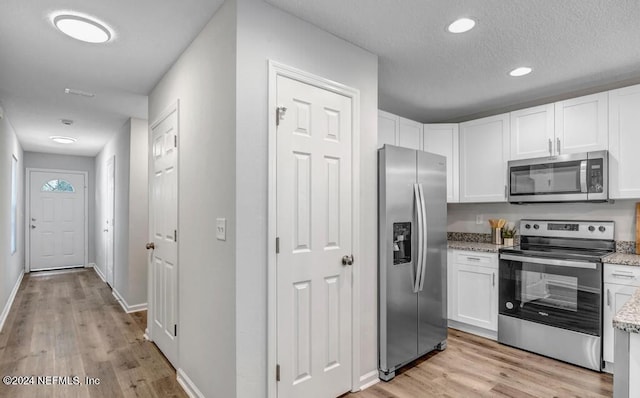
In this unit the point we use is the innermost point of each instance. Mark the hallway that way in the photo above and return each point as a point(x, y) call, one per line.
point(68, 323)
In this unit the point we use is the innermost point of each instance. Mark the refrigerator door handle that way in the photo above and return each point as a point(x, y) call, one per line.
point(419, 216)
point(423, 242)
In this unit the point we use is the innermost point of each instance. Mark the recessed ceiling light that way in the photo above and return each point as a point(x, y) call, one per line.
point(66, 122)
point(461, 25)
point(521, 71)
point(82, 28)
point(63, 140)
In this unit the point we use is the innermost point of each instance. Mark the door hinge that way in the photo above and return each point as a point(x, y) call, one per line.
point(280, 111)
point(277, 245)
point(175, 141)
point(175, 330)
point(175, 235)
point(277, 372)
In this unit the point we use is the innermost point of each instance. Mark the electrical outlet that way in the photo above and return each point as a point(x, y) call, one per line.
point(221, 228)
point(479, 219)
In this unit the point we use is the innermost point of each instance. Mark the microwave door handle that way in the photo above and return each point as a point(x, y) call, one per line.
point(583, 176)
point(418, 262)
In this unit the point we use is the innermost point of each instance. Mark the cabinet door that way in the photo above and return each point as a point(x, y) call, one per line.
point(476, 296)
point(581, 124)
point(484, 152)
point(443, 140)
point(624, 141)
point(388, 127)
point(532, 132)
point(614, 298)
point(410, 134)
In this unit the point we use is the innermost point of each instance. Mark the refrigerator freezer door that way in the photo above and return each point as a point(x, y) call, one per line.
point(397, 301)
point(432, 307)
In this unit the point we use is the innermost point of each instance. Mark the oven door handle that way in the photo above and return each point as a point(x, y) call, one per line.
point(550, 261)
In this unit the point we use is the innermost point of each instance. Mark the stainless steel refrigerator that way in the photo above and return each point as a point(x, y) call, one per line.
point(412, 218)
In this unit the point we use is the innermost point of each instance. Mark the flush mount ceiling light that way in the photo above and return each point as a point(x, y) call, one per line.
point(461, 25)
point(63, 140)
point(82, 28)
point(521, 71)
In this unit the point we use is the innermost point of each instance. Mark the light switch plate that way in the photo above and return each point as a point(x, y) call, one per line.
point(221, 228)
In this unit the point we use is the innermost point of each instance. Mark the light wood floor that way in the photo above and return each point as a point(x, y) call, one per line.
point(472, 366)
point(69, 324)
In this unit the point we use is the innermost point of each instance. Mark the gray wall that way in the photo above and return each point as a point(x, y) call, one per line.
point(204, 80)
point(129, 146)
point(11, 265)
point(75, 163)
point(265, 33)
point(462, 217)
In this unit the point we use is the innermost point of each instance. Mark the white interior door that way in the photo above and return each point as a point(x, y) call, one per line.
point(314, 226)
point(109, 229)
point(57, 225)
point(164, 230)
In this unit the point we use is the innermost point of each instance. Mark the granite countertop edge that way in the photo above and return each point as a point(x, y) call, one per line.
point(622, 259)
point(628, 317)
point(474, 246)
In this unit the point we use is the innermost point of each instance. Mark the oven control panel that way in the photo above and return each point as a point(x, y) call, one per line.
point(568, 229)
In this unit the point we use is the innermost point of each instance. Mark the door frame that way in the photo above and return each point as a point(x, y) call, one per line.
point(278, 69)
point(27, 219)
point(112, 230)
point(172, 107)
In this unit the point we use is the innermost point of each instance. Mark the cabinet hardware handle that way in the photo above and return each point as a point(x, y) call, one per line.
point(608, 298)
point(493, 279)
point(550, 147)
point(558, 147)
point(505, 191)
point(473, 258)
point(630, 276)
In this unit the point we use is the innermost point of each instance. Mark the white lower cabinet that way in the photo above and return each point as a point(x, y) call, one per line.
point(473, 291)
point(620, 283)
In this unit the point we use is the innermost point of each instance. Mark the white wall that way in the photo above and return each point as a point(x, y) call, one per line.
point(203, 79)
point(11, 265)
point(129, 146)
point(76, 163)
point(265, 33)
point(462, 217)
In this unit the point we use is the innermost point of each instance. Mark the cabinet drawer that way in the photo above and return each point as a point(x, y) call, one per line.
point(475, 258)
point(621, 274)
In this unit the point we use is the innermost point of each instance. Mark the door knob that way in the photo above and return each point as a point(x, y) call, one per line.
point(33, 227)
point(151, 246)
point(347, 260)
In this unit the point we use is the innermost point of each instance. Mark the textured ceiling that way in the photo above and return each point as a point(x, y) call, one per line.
point(37, 63)
point(430, 75)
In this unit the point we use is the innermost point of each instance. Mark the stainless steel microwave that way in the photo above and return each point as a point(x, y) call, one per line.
point(576, 177)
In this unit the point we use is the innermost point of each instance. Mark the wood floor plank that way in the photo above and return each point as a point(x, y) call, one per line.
point(69, 324)
point(473, 366)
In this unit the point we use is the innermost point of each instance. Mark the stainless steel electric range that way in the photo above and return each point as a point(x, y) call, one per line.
point(551, 289)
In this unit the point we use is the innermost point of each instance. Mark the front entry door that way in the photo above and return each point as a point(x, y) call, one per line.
point(314, 227)
point(163, 220)
point(57, 225)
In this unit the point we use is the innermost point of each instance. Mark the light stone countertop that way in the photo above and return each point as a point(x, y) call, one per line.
point(628, 318)
point(622, 259)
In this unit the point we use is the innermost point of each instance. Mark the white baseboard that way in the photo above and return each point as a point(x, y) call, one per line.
point(187, 385)
point(97, 269)
point(478, 331)
point(369, 379)
point(125, 306)
point(12, 296)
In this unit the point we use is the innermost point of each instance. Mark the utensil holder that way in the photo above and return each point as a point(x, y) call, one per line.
point(496, 236)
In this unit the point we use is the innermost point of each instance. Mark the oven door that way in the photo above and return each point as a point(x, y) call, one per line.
point(559, 293)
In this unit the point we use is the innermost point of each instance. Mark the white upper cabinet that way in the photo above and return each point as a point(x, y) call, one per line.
point(624, 142)
point(396, 130)
point(532, 132)
point(410, 134)
point(581, 124)
point(443, 140)
point(484, 152)
point(388, 128)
